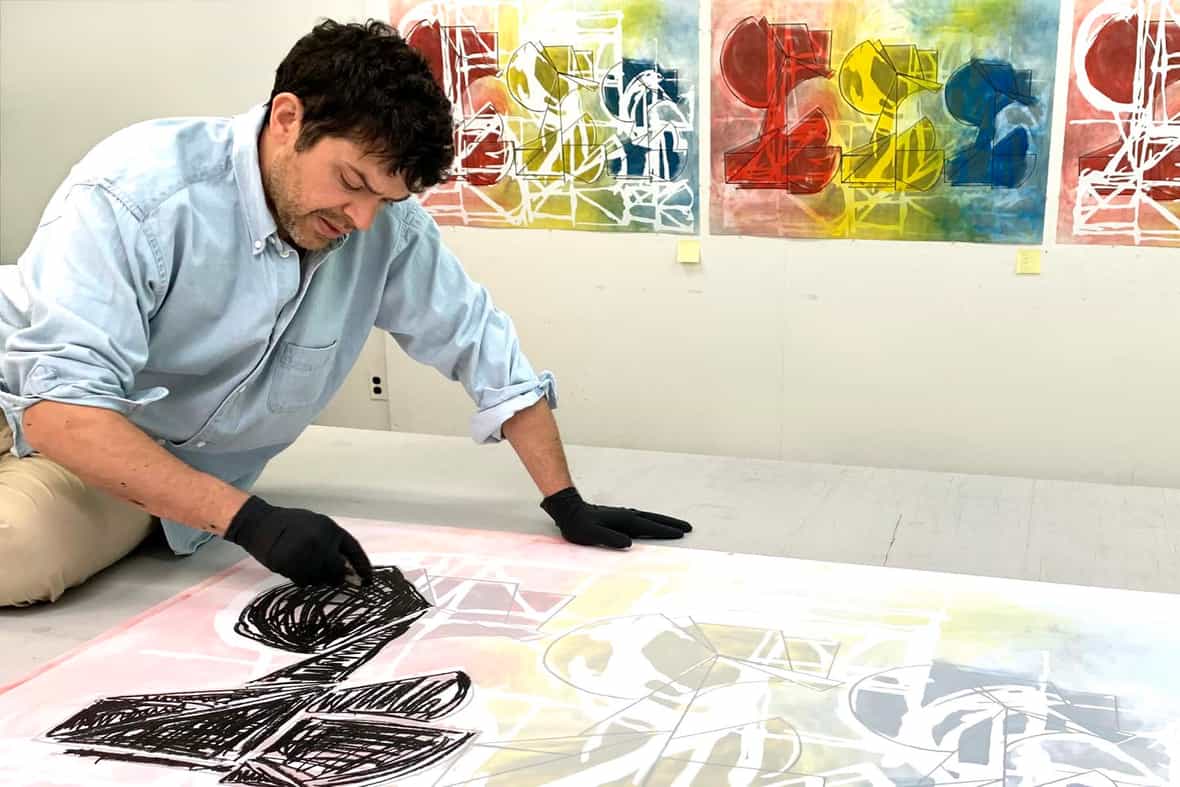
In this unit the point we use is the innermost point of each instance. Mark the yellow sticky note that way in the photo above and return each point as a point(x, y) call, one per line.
point(688, 251)
point(1028, 261)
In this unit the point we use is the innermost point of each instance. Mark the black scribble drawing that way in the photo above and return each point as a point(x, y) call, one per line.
point(296, 726)
point(311, 620)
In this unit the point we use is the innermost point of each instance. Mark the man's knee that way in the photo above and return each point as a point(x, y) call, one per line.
point(32, 566)
point(55, 533)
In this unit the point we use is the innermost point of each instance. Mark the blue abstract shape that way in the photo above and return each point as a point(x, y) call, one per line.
point(645, 97)
point(636, 159)
point(976, 94)
point(632, 68)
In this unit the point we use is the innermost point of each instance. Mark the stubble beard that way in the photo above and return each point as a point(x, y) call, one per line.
point(284, 196)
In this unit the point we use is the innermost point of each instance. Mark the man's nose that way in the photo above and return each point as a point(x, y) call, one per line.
point(362, 213)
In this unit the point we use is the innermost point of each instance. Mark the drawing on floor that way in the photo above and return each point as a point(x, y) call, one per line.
point(568, 115)
point(505, 659)
point(880, 119)
point(295, 725)
point(1120, 179)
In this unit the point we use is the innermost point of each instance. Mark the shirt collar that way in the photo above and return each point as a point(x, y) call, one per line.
point(248, 174)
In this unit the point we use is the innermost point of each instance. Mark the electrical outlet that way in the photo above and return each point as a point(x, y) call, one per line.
point(377, 390)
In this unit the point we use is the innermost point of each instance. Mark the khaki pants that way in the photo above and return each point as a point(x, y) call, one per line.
point(56, 532)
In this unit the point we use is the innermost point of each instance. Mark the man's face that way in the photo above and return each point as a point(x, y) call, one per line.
point(327, 190)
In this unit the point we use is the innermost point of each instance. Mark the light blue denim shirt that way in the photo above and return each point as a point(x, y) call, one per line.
point(156, 285)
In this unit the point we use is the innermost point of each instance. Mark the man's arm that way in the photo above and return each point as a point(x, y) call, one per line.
point(534, 436)
point(93, 276)
point(110, 453)
point(441, 317)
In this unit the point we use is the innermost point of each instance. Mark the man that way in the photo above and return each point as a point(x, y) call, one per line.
point(197, 290)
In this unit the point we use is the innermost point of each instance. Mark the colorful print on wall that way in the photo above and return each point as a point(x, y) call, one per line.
point(1120, 179)
point(569, 114)
point(885, 119)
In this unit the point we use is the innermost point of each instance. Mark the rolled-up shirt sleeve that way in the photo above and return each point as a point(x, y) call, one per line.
point(440, 317)
point(91, 280)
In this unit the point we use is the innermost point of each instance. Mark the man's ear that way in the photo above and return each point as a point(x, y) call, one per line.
point(286, 118)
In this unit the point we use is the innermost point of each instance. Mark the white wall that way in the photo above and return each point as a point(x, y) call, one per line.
point(912, 355)
point(888, 354)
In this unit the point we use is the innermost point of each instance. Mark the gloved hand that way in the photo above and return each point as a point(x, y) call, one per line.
point(306, 547)
point(591, 525)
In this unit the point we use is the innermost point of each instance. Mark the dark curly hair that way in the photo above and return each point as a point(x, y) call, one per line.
point(365, 83)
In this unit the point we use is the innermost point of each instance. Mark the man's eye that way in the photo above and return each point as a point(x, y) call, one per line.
point(349, 186)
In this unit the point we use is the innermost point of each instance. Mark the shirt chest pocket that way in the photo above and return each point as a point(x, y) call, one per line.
point(300, 376)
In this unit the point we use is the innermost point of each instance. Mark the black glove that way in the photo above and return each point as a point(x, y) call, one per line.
point(591, 525)
point(306, 547)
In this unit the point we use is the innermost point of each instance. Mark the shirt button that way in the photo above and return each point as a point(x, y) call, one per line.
point(201, 444)
point(257, 245)
point(284, 254)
